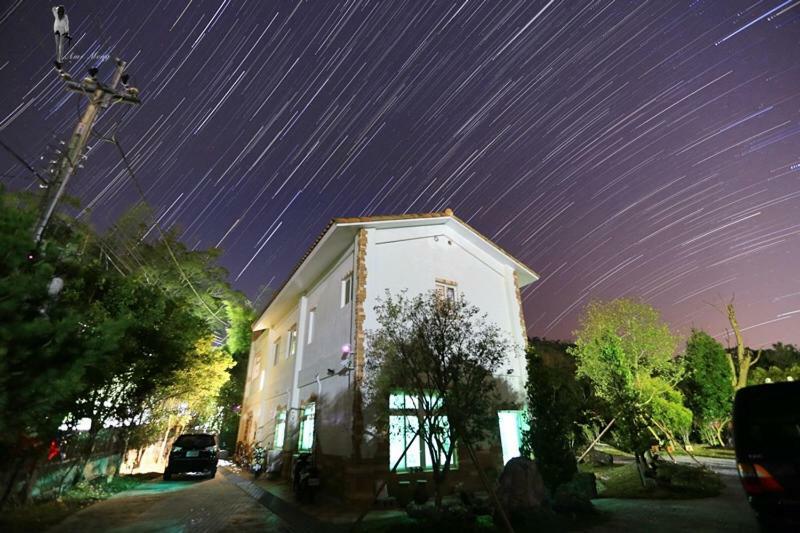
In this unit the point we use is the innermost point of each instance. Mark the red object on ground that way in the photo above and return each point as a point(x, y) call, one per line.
point(53, 451)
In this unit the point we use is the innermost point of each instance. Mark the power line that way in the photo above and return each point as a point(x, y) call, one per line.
point(24, 163)
point(161, 231)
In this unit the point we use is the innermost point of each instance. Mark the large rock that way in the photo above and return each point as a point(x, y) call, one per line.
point(596, 457)
point(521, 486)
point(575, 496)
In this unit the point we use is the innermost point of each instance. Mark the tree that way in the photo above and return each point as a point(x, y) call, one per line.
point(554, 402)
point(781, 362)
point(122, 342)
point(628, 354)
point(444, 355)
point(743, 359)
point(708, 385)
point(230, 397)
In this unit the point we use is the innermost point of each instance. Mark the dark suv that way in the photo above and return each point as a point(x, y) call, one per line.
point(192, 453)
point(766, 426)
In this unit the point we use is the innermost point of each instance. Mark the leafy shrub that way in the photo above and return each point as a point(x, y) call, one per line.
point(554, 403)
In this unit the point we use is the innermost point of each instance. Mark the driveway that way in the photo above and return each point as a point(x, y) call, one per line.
point(728, 512)
point(182, 505)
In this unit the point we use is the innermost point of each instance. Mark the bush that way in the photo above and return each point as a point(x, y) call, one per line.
point(453, 516)
point(554, 402)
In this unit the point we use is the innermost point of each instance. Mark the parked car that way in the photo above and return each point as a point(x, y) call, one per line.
point(193, 453)
point(766, 427)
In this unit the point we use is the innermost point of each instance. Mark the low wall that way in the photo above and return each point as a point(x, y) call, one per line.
point(52, 476)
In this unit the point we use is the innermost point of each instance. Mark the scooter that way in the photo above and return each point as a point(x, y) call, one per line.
point(306, 480)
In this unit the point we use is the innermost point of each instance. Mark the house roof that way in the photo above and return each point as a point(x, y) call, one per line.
point(527, 275)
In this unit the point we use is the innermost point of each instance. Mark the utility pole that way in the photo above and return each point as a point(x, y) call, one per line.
point(100, 97)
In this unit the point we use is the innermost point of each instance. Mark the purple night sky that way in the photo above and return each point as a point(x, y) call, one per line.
point(624, 148)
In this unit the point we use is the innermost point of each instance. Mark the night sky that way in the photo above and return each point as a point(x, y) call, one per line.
point(646, 149)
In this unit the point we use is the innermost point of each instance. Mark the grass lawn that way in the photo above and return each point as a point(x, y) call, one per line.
point(675, 481)
point(708, 451)
point(699, 450)
point(607, 448)
point(43, 515)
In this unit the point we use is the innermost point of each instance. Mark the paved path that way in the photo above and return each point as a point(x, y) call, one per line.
point(727, 512)
point(183, 505)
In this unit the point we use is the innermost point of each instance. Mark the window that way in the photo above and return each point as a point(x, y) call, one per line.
point(403, 426)
point(261, 381)
point(280, 429)
point(347, 290)
point(307, 428)
point(292, 348)
point(276, 351)
point(312, 315)
point(256, 365)
point(512, 424)
point(446, 289)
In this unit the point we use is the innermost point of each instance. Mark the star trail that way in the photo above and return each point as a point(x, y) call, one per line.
point(647, 148)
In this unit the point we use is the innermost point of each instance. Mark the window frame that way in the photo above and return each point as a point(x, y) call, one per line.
point(307, 415)
point(256, 367)
point(280, 429)
point(291, 346)
point(276, 351)
point(346, 291)
point(443, 286)
point(312, 316)
point(520, 424)
point(410, 421)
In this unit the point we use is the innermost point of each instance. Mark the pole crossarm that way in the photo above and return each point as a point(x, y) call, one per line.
point(100, 97)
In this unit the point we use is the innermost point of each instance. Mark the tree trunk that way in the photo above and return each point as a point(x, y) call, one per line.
point(640, 467)
point(438, 487)
point(744, 357)
point(488, 487)
point(124, 455)
point(33, 475)
point(12, 480)
point(89, 451)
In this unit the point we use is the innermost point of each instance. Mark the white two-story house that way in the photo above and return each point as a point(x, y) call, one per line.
point(309, 342)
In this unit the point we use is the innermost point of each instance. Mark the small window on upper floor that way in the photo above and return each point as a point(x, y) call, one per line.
point(276, 351)
point(292, 348)
point(347, 290)
point(446, 290)
point(312, 316)
point(256, 367)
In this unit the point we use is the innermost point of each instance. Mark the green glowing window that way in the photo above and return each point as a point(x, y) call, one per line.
point(512, 424)
point(403, 425)
point(280, 430)
point(307, 428)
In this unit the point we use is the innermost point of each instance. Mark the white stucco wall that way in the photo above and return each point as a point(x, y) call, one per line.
point(277, 377)
point(293, 380)
point(400, 258)
point(333, 328)
point(412, 258)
